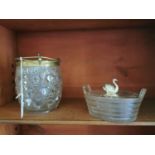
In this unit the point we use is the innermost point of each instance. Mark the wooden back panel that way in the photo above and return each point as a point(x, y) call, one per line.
point(97, 56)
point(7, 52)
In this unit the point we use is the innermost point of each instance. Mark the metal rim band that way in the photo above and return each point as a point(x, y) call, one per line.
point(45, 63)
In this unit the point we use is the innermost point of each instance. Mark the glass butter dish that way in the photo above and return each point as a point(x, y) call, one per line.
point(113, 105)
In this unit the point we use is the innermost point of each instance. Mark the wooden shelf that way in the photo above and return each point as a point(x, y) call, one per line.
point(72, 111)
point(72, 24)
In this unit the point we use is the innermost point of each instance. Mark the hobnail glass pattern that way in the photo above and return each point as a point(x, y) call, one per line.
point(42, 87)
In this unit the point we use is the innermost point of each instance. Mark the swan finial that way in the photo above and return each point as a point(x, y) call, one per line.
point(111, 90)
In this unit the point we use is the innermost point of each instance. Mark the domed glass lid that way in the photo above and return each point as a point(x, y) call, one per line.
point(113, 91)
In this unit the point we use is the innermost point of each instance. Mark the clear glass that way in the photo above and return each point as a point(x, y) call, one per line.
point(42, 87)
point(121, 108)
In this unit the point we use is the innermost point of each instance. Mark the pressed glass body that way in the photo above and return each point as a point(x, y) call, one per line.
point(121, 108)
point(42, 84)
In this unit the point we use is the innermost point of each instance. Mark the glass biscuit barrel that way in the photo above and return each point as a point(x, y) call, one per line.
point(38, 83)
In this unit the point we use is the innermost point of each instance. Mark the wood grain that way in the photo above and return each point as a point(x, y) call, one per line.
point(73, 112)
point(95, 57)
point(7, 55)
point(72, 24)
point(8, 129)
point(85, 130)
point(92, 51)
